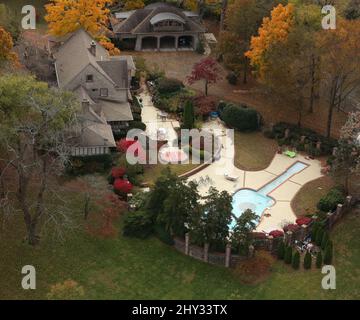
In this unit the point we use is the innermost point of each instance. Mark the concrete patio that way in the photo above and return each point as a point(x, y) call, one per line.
point(281, 211)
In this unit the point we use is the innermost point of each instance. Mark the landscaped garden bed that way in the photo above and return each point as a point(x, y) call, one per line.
point(302, 139)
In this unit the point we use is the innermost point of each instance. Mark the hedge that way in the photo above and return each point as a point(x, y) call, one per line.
point(80, 165)
point(294, 139)
point(168, 85)
point(163, 235)
point(328, 255)
point(296, 260)
point(319, 260)
point(241, 117)
point(330, 201)
point(288, 255)
point(138, 224)
point(137, 125)
point(281, 250)
point(307, 260)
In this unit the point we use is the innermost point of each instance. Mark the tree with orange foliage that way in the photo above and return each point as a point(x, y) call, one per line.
point(109, 46)
point(272, 31)
point(66, 16)
point(7, 55)
point(133, 4)
point(191, 5)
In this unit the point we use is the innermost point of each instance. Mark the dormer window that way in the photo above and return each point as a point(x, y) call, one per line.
point(167, 21)
point(89, 78)
point(104, 92)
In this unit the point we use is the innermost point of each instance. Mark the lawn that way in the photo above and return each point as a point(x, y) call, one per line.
point(253, 151)
point(306, 199)
point(154, 171)
point(125, 268)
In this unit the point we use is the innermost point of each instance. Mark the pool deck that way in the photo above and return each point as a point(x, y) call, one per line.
point(279, 213)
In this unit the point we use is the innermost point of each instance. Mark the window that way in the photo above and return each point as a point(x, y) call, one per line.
point(104, 92)
point(89, 78)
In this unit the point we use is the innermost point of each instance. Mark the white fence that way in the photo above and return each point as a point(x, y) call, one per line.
point(89, 151)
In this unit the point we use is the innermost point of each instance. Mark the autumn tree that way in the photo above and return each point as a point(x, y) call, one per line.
point(206, 70)
point(347, 157)
point(353, 10)
point(340, 65)
point(273, 30)
point(292, 66)
point(103, 222)
point(9, 21)
point(67, 16)
point(7, 55)
point(204, 105)
point(243, 18)
point(35, 122)
point(133, 4)
point(191, 5)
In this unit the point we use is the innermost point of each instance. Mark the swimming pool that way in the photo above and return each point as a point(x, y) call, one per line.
point(259, 200)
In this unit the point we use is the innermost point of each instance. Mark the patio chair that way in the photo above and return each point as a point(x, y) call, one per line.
point(290, 154)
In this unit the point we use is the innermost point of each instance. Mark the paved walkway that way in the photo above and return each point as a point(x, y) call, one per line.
point(279, 213)
point(153, 123)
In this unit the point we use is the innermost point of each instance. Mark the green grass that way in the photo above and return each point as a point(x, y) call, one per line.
point(153, 172)
point(125, 268)
point(253, 152)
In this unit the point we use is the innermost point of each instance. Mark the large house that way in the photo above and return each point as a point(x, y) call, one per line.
point(158, 26)
point(101, 83)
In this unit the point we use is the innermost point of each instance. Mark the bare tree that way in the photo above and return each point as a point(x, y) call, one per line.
point(340, 65)
point(35, 140)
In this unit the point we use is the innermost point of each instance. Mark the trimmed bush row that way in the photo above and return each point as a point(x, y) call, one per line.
point(330, 201)
point(294, 139)
point(80, 165)
point(240, 117)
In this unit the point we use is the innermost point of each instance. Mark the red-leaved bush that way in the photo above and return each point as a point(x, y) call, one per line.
point(123, 144)
point(291, 227)
point(304, 220)
point(204, 105)
point(123, 186)
point(102, 222)
point(276, 233)
point(117, 172)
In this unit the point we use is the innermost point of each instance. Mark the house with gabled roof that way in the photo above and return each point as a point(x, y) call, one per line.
point(158, 26)
point(102, 84)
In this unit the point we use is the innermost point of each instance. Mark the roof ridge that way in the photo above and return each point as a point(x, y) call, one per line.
point(142, 22)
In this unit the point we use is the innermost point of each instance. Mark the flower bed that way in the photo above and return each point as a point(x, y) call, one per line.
point(276, 233)
point(304, 220)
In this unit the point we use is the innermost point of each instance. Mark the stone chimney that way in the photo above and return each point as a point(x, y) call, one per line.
point(85, 104)
point(93, 48)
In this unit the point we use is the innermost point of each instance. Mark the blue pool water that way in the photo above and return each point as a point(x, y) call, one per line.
point(259, 200)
